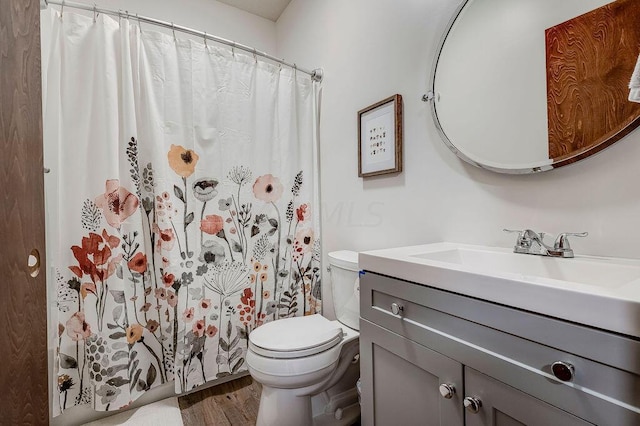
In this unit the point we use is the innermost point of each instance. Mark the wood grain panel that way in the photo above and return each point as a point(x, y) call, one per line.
point(590, 60)
point(23, 307)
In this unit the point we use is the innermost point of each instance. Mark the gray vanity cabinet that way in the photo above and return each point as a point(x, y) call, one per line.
point(416, 342)
point(403, 380)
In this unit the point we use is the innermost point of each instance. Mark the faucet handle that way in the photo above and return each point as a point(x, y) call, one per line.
point(562, 242)
point(522, 240)
point(516, 231)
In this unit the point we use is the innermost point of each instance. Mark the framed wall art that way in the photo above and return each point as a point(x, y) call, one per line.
point(380, 138)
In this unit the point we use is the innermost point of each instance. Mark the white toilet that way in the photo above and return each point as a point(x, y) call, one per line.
point(308, 366)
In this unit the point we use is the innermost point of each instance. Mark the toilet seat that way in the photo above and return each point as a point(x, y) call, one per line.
point(295, 337)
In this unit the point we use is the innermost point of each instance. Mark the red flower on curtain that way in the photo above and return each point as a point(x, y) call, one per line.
point(211, 331)
point(302, 212)
point(94, 256)
point(168, 279)
point(138, 263)
point(117, 203)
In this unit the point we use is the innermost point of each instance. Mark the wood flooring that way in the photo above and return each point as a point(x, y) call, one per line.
point(234, 403)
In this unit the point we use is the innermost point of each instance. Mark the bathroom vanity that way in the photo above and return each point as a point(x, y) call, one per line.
point(447, 340)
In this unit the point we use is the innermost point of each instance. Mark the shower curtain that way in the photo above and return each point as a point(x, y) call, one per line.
point(186, 206)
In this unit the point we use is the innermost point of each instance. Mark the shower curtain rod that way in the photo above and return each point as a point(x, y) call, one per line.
point(316, 74)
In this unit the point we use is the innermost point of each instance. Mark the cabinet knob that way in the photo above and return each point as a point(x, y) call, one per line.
point(447, 390)
point(472, 404)
point(563, 371)
point(397, 309)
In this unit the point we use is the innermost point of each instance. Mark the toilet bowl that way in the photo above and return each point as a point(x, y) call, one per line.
point(308, 366)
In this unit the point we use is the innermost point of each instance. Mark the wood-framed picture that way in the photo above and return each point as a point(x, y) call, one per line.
point(380, 138)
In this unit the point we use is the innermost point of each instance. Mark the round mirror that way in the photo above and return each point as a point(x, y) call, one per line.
point(521, 86)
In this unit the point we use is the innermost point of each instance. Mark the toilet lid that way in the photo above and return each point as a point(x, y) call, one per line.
point(295, 337)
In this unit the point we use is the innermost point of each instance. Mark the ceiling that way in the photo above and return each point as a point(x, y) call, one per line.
point(269, 9)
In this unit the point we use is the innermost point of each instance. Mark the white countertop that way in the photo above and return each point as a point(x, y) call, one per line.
point(594, 291)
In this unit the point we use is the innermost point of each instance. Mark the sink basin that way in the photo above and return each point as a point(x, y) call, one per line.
point(595, 291)
point(589, 271)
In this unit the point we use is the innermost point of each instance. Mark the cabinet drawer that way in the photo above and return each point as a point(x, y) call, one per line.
point(504, 405)
point(599, 393)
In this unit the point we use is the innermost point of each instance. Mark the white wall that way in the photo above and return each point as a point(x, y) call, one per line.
point(204, 15)
point(371, 49)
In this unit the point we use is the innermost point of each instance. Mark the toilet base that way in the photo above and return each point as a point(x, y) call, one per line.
point(283, 407)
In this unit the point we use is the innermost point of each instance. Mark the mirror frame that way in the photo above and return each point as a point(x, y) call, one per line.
point(432, 95)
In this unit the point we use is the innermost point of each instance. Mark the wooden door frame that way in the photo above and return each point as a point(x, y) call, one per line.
point(23, 298)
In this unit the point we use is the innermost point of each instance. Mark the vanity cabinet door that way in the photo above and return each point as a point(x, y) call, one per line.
point(503, 405)
point(401, 382)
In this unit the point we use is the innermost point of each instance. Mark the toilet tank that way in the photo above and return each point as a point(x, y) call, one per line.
point(345, 287)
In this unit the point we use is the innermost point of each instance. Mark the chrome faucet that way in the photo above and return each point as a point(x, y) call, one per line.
point(531, 242)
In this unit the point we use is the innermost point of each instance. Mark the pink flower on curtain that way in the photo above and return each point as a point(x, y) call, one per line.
point(166, 238)
point(77, 327)
point(117, 203)
point(304, 239)
point(205, 305)
point(212, 224)
point(161, 294)
point(268, 188)
point(188, 314)
point(198, 328)
point(172, 299)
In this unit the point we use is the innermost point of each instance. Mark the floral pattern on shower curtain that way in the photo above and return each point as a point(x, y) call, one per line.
point(185, 212)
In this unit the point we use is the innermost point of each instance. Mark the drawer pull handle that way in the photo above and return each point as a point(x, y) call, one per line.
point(397, 309)
point(563, 371)
point(447, 390)
point(472, 404)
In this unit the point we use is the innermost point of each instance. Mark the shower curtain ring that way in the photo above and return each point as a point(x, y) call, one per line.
point(95, 13)
point(139, 23)
point(173, 29)
point(255, 57)
point(119, 16)
point(205, 40)
point(233, 49)
point(61, 9)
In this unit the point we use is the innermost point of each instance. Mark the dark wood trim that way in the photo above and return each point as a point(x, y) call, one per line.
point(23, 305)
point(590, 60)
point(397, 107)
